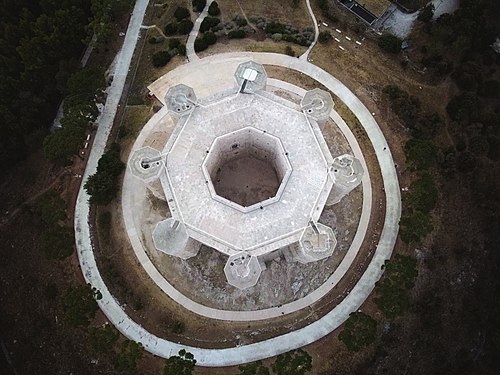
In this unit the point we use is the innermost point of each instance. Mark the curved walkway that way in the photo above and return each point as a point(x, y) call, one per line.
point(219, 72)
point(190, 52)
point(279, 344)
point(305, 55)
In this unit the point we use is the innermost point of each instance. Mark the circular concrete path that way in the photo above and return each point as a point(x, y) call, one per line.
point(292, 340)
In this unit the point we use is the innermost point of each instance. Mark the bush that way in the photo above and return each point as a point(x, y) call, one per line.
point(213, 9)
point(210, 38)
point(130, 353)
point(181, 13)
point(426, 13)
point(275, 27)
point(173, 43)
point(420, 154)
point(103, 185)
point(185, 26)
point(182, 364)
point(57, 242)
point(467, 76)
point(200, 44)
point(208, 22)
point(463, 107)
point(289, 51)
point(389, 43)
point(423, 194)
point(359, 331)
point(241, 22)
point(172, 28)
point(406, 107)
point(181, 50)
point(80, 305)
point(199, 5)
point(236, 34)
point(324, 37)
point(295, 362)
point(413, 227)
point(160, 58)
point(490, 89)
point(102, 339)
point(254, 368)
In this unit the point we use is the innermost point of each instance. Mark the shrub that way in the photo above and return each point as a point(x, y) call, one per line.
point(185, 26)
point(127, 358)
point(199, 5)
point(200, 44)
point(289, 51)
point(181, 13)
point(182, 364)
point(173, 43)
point(295, 362)
point(359, 331)
point(210, 38)
point(213, 9)
point(324, 37)
point(80, 304)
point(172, 28)
point(208, 22)
point(423, 194)
point(181, 50)
point(103, 185)
point(463, 107)
point(421, 154)
point(490, 89)
point(413, 227)
point(254, 368)
point(57, 242)
point(275, 27)
point(389, 43)
point(426, 13)
point(241, 22)
point(236, 34)
point(102, 339)
point(160, 58)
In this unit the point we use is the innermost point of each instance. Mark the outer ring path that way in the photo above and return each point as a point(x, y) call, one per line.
point(128, 200)
point(295, 339)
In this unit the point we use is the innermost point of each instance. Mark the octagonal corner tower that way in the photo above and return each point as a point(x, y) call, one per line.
point(249, 175)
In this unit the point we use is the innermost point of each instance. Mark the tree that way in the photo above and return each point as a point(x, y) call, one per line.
point(420, 153)
point(130, 353)
point(208, 22)
point(80, 304)
point(182, 364)
point(213, 9)
point(324, 37)
point(210, 38)
point(255, 368)
point(184, 27)
point(426, 13)
point(463, 107)
point(103, 338)
point(171, 28)
point(160, 58)
point(359, 331)
point(236, 34)
point(181, 13)
point(295, 362)
point(103, 185)
point(57, 242)
point(389, 43)
point(423, 194)
point(199, 5)
point(200, 44)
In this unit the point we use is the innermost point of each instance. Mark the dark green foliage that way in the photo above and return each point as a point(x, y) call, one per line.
point(389, 43)
point(210, 38)
point(171, 28)
point(420, 154)
point(160, 58)
point(105, 13)
point(490, 89)
point(414, 226)
point(426, 13)
point(392, 290)
point(200, 44)
point(50, 209)
point(130, 353)
point(426, 125)
point(324, 37)
point(326, 11)
point(184, 27)
point(80, 304)
point(406, 106)
point(208, 22)
point(255, 368)
point(181, 50)
point(295, 362)
point(236, 34)
point(173, 43)
point(463, 107)
point(181, 13)
point(468, 75)
point(241, 22)
point(199, 5)
point(423, 194)
point(103, 338)
point(466, 162)
point(183, 364)
point(103, 185)
point(57, 242)
point(213, 9)
point(274, 27)
point(359, 331)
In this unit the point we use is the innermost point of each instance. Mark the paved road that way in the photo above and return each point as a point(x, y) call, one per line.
point(190, 53)
point(305, 55)
point(280, 344)
point(221, 73)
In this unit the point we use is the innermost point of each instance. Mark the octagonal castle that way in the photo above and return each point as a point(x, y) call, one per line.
point(248, 174)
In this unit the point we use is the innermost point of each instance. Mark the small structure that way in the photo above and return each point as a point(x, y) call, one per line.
point(248, 175)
